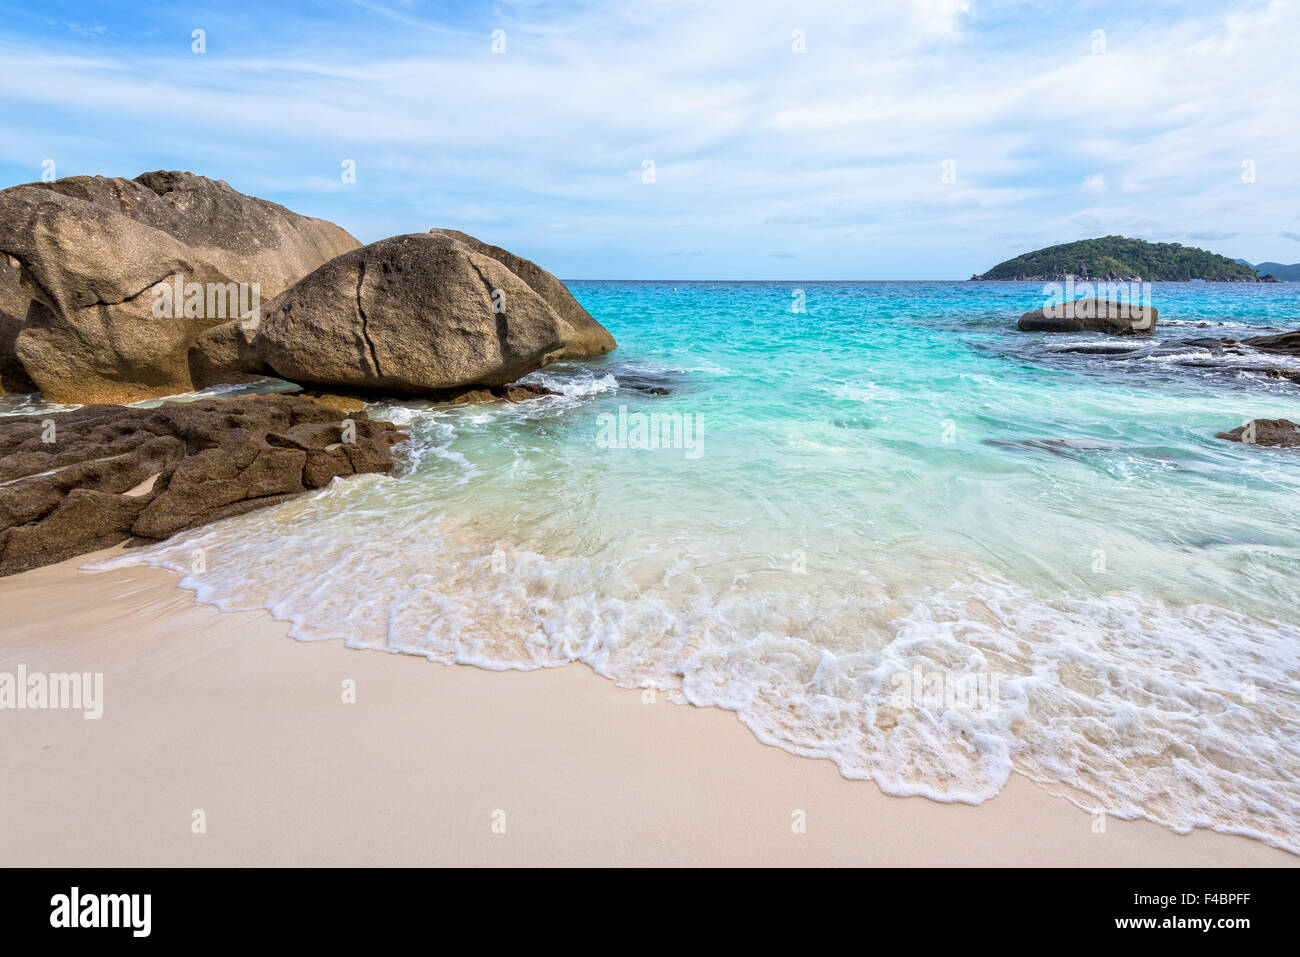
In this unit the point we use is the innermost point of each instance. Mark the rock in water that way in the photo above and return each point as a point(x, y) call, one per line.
point(412, 314)
point(1091, 315)
point(93, 252)
point(590, 337)
point(1276, 432)
point(1287, 343)
point(72, 482)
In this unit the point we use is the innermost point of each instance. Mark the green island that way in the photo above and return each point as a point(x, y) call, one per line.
point(1118, 258)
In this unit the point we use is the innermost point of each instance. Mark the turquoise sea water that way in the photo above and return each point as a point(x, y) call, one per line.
point(890, 495)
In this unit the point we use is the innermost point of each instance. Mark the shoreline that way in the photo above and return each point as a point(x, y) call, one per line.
point(221, 712)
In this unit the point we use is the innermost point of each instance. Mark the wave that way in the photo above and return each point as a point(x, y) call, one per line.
point(1182, 714)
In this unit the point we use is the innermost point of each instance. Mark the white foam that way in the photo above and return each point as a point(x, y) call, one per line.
point(1186, 715)
point(574, 385)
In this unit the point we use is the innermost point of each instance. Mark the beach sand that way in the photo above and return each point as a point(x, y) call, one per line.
point(224, 714)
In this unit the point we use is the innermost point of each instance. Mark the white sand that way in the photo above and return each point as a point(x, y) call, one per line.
point(225, 713)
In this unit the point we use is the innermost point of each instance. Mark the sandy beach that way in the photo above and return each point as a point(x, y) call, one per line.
point(226, 715)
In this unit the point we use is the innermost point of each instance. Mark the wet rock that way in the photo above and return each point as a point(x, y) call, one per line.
point(1282, 433)
point(1091, 315)
point(1288, 343)
point(76, 481)
point(509, 393)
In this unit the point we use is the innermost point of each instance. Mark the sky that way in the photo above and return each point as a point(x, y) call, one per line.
point(736, 139)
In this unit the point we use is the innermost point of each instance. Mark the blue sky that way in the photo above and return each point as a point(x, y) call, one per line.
point(911, 139)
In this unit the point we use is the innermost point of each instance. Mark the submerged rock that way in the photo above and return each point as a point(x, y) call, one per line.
point(1091, 315)
point(1275, 432)
point(92, 251)
point(1070, 448)
point(73, 482)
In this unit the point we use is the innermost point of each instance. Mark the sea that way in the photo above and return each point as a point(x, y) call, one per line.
point(872, 519)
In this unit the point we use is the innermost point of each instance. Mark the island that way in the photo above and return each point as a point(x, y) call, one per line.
point(1120, 259)
point(1279, 271)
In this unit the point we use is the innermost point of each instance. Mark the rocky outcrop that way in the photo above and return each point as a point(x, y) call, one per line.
point(413, 315)
point(590, 337)
point(1275, 432)
point(1091, 315)
point(1287, 343)
point(76, 481)
point(96, 254)
point(116, 290)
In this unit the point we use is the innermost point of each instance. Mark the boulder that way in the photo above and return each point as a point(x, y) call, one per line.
point(14, 301)
point(73, 482)
point(224, 354)
point(590, 337)
point(250, 239)
point(90, 334)
point(414, 314)
point(95, 255)
point(1276, 432)
point(1091, 315)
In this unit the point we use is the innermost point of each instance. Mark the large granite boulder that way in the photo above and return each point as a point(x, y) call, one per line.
point(415, 314)
point(14, 301)
point(249, 239)
point(1091, 315)
point(73, 482)
point(590, 337)
point(95, 254)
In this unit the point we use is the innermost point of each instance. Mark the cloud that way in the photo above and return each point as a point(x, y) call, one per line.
point(1210, 235)
point(1287, 234)
point(540, 147)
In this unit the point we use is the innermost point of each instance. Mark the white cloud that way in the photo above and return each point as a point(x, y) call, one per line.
point(755, 147)
point(1094, 183)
